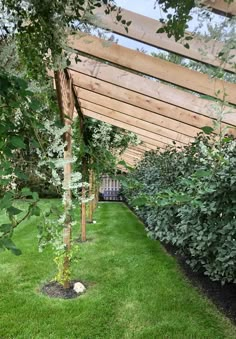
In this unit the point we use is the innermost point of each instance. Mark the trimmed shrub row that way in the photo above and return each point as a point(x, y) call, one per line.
point(187, 198)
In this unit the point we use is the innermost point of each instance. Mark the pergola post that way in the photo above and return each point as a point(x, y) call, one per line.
point(95, 190)
point(91, 192)
point(83, 204)
point(66, 105)
point(83, 191)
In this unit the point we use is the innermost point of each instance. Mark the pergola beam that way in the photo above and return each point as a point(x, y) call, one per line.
point(140, 114)
point(132, 155)
point(154, 131)
point(130, 161)
point(150, 138)
point(136, 151)
point(221, 7)
point(143, 29)
point(144, 147)
point(152, 66)
point(149, 94)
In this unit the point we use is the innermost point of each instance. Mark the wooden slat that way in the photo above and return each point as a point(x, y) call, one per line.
point(144, 29)
point(132, 155)
point(152, 66)
point(136, 151)
point(140, 100)
point(150, 138)
point(187, 102)
point(122, 168)
point(128, 160)
point(150, 129)
point(221, 7)
point(138, 113)
point(144, 147)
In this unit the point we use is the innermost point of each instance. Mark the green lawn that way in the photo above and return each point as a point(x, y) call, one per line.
point(135, 289)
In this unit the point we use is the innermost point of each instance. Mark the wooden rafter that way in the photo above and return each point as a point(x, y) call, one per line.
point(148, 128)
point(148, 94)
point(221, 7)
point(114, 98)
point(136, 151)
point(152, 66)
point(130, 160)
point(132, 155)
point(129, 153)
point(144, 147)
point(150, 138)
point(144, 29)
point(140, 114)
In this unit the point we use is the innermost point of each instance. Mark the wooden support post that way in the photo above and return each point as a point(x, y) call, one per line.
point(94, 189)
point(83, 216)
point(97, 195)
point(91, 192)
point(83, 193)
point(66, 105)
point(83, 204)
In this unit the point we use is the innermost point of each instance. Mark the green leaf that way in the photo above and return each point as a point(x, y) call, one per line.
point(35, 104)
point(202, 173)
point(35, 196)
point(160, 30)
point(122, 162)
point(6, 201)
point(13, 210)
point(140, 201)
point(21, 175)
point(182, 198)
point(35, 210)
point(5, 228)
point(17, 142)
point(26, 192)
point(207, 129)
point(9, 244)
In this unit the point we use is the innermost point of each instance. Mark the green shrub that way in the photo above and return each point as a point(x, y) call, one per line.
point(188, 198)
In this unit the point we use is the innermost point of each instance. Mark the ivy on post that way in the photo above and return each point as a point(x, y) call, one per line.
point(66, 105)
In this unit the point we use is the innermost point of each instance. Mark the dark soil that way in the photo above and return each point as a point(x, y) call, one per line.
point(56, 290)
point(223, 296)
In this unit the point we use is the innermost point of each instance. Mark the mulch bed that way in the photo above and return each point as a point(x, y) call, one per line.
point(56, 290)
point(223, 296)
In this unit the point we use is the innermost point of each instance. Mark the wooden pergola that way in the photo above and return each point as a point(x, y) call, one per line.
point(160, 101)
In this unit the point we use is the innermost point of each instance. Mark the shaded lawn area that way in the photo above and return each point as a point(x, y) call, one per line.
point(135, 288)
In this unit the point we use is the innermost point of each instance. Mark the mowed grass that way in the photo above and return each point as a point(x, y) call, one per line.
point(135, 289)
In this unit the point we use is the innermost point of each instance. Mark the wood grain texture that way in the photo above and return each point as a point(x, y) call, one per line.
point(152, 66)
point(144, 29)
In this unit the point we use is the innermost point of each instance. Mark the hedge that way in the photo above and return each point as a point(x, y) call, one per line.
point(187, 198)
